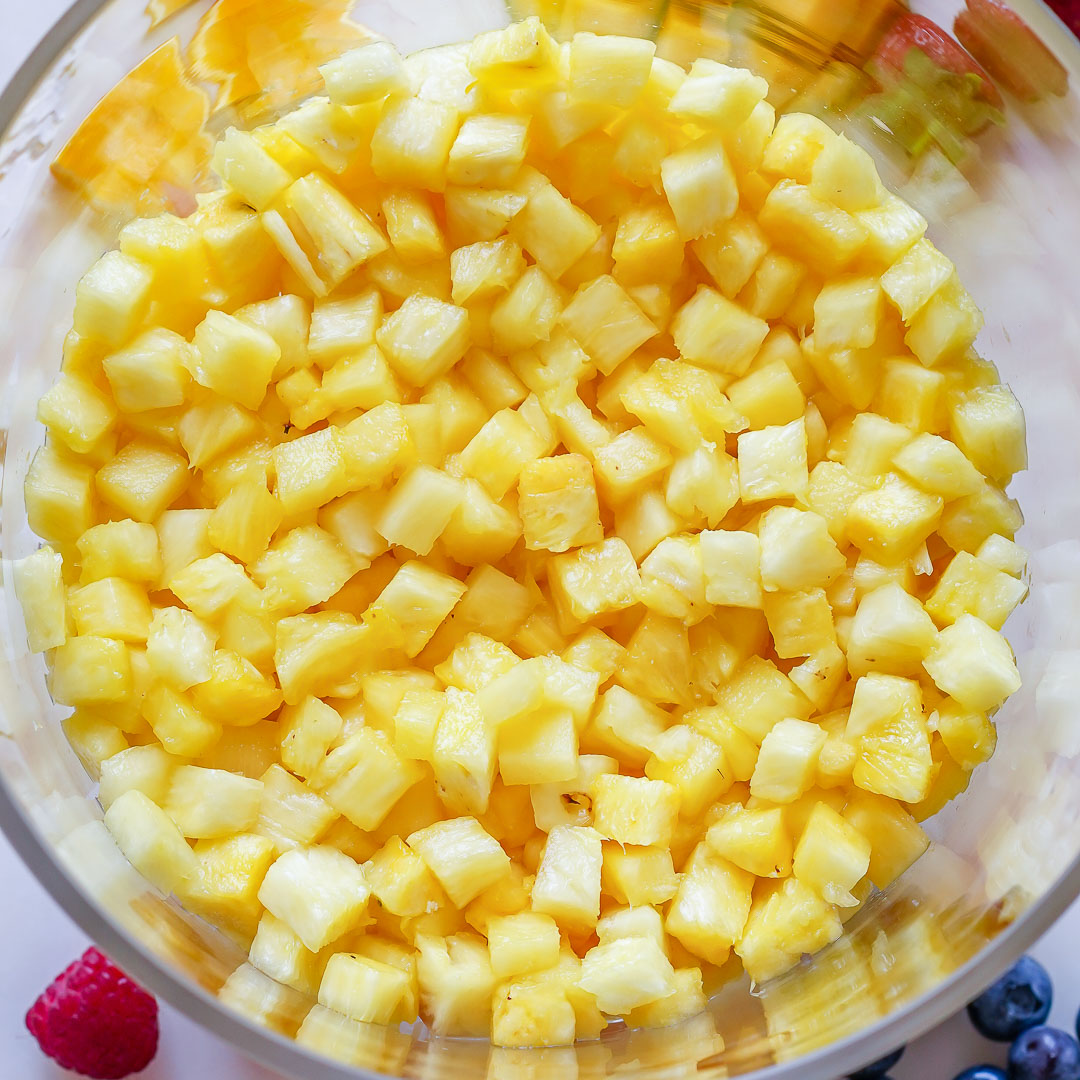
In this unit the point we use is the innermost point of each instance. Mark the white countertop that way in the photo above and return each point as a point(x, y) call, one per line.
point(38, 940)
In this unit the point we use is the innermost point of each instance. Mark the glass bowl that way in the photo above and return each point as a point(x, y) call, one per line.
point(1003, 204)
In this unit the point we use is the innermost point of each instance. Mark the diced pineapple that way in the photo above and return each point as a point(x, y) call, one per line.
point(731, 561)
point(464, 753)
point(365, 74)
point(478, 214)
point(968, 522)
point(112, 607)
point(569, 802)
point(485, 269)
point(769, 396)
point(523, 943)
point(797, 551)
point(554, 231)
point(756, 840)
point(180, 647)
point(372, 778)
point(711, 906)
point(341, 327)
point(938, 466)
point(784, 925)
point(847, 314)
point(673, 579)
point(968, 585)
point(628, 463)
point(557, 503)
point(177, 724)
point(608, 69)
point(148, 769)
point(845, 175)
point(419, 509)
point(224, 886)
point(424, 338)
point(716, 94)
point(488, 150)
point(915, 277)
point(797, 221)
point(891, 633)
point(142, 480)
point(1004, 555)
point(39, 586)
point(703, 484)
point(77, 413)
point(716, 333)
point(700, 187)
point(150, 841)
point(213, 426)
point(634, 810)
point(465, 859)
point(290, 812)
point(968, 734)
point(988, 426)
point(400, 880)
point(456, 984)
point(691, 763)
point(890, 522)
point(302, 568)
point(647, 246)
point(233, 358)
point(112, 298)
point(832, 856)
point(626, 973)
point(90, 670)
point(119, 549)
point(363, 989)
point(973, 663)
point(418, 599)
point(607, 322)
point(315, 653)
point(567, 885)
point(787, 760)
point(248, 169)
point(209, 585)
point(638, 876)
point(772, 286)
point(318, 892)
point(278, 952)
point(945, 326)
point(522, 54)
point(892, 227)
point(772, 462)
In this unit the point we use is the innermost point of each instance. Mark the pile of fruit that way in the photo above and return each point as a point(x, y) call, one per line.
point(538, 530)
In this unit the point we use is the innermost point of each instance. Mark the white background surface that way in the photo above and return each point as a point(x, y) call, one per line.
point(37, 940)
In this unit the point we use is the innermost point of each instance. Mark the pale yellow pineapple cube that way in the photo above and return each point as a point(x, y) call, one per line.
point(123, 548)
point(213, 426)
point(945, 326)
point(832, 856)
point(800, 223)
point(412, 142)
point(476, 661)
point(608, 69)
point(607, 322)
point(732, 566)
point(233, 358)
point(647, 246)
point(716, 333)
point(969, 585)
point(464, 753)
point(913, 279)
point(758, 695)
point(716, 94)
point(224, 886)
point(968, 734)
point(711, 905)
point(488, 150)
point(541, 748)
point(700, 187)
point(892, 227)
point(112, 298)
point(567, 885)
point(278, 952)
point(351, 520)
point(773, 285)
point(557, 503)
point(969, 521)
point(341, 327)
point(368, 73)
point(39, 586)
point(248, 169)
point(148, 769)
point(112, 607)
point(142, 480)
point(415, 722)
point(768, 396)
point(795, 145)
point(424, 338)
point(209, 585)
point(76, 412)
point(90, 670)
point(456, 984)
point(371, 778)
point(465, 859)
point(1002, 554)
point(479, 214)
point(595, 580)
point(626, 973)
point(772, 462)
point(92, 738)
point(363, 989)
point(634, 810)
point(315, 653)
point(569, 802)
point(150, 841)
point(180, 647)
point(891, 633)
point(638, 876)
point(787, 762)
point(988, 426)
point(797, 552)
point(938, 466)
point(243, 522)
point(237, 692)
point(847, 313)
point(531, 1014)
point(303, 567)
point(554, 231)
point(318, 892)
point(896, 839)
point(522, 943)
point(419, 508)
point(400, 880)
point(485, 269)
point(177, 724)
point(418, 598)
point(673, 579)
point(845, 175)
point(703, 485)
point(410, 222)
point(290, 812)
point(628, 463)
point(973, 663)
point(784, 925)
point(756, 840)
point(521, 54)
point(480, 530)
point(693, 764)
point(890, 522)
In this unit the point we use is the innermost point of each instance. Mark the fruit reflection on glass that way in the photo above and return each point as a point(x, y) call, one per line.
point(575, 489)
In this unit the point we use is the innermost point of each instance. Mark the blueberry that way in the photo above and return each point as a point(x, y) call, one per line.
point(878, 1068)
point(1019, 1000)
point(982, 1072)
point(1044, 1053)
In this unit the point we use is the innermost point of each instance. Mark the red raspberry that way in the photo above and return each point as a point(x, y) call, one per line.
point(94, 1020)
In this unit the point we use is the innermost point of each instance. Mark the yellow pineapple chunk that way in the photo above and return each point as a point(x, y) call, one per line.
point(847, 314)
point(608, 69)
point(522, 54)
point(607, 322)
point(465, 859)
point(318, 892)
point(699, 183)
point(418, 598)
point(314, 654)
point(832, 856)
point(638, 876)
point(973, 663)
point(711, 905)
point(716, 333)
point(971, 586)
point(627, 972)
point(787, 760)
point(988, 426)
point(945, 326)
point(39, 586)
point(363, 989)
point(464, 753)
point(488, 150)
point(400, 880)
point(341, 327)
point(456, 984)
point(890, 522)
point(891, 633)
point(76, 412)
point(90, 670)
point(124, 548)
point(772, 462)
point(647, 246)
point(111, 298)
point(523, 943)
point(595, 579)
point(896, 839)
point(557, 503)
point(968, 734)
point(419, 509)
point(819, 234)
point(147, 769)
point(212, 802)
point(756, 840)
point(248, 169)
point(716, 94)
point(113, 607)
point(567, 885)
point(485, 269)
point(233, 358)
point(731, 561)
point(938, 466)
point(177, 724)
point(424, 338)
point(531, 1014)
point(845, 175)
point(142, 480)
point(365, 74)
point(673, 579)
point(634, 810)
point(797, 551)
point(554, 231)
point(150, 841)
point(371, 778)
